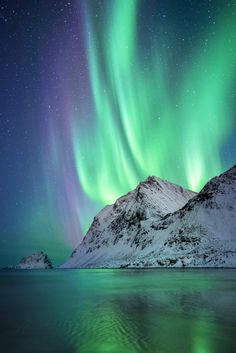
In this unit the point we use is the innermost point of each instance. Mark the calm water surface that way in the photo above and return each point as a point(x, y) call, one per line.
point(118, 311)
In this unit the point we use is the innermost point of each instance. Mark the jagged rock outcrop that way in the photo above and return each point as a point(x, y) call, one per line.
point(38, 260)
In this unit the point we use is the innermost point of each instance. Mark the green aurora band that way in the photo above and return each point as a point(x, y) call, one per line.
point(144, 121)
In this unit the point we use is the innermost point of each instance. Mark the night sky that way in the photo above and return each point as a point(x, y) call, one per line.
point(96, 96)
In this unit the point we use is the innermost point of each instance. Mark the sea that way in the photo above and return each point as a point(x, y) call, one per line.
point(118, 311)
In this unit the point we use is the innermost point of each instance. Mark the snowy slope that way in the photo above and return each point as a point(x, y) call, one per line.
point(143, 228)
point(202, 233)
point(38, 260)
point(114, 234)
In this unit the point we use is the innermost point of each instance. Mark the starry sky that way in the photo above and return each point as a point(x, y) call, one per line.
point(96, 96)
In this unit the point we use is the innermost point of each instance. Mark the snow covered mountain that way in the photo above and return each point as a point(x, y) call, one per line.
point(115, 234)
point(148, 228)
point(38, 260)
point(201, 234)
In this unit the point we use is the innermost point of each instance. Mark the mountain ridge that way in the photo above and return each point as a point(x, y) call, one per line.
point(160, 224)
point(153, 197)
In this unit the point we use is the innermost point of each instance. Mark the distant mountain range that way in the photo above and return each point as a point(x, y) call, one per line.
point(160, 224)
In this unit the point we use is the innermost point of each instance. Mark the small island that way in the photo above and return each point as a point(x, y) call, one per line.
point(38, 260)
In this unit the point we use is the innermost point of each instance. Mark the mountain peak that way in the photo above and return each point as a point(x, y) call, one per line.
point(119, 224)
point(162, 224)
point(151, 182)
point(230, 172)
point(38, 260)
point(220, 184)
point(151, 179)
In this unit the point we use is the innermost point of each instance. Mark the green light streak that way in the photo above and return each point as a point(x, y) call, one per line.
point(136, 128)
point(206, 108)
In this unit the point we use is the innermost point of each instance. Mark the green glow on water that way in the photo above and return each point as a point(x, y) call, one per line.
point(116, 311)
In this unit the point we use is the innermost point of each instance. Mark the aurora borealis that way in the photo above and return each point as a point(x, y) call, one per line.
point(99, 95)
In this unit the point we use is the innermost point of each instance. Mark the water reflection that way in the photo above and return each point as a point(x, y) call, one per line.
point(119, 311)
